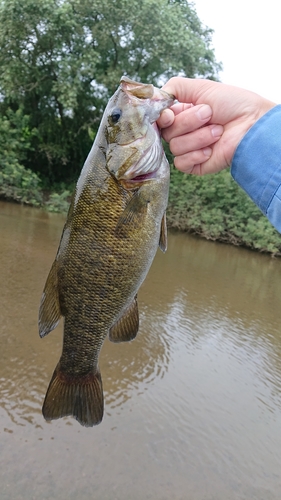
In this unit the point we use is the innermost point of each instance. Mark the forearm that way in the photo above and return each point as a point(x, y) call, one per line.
point(256, 165)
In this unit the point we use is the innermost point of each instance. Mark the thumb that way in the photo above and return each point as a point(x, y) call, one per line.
point(189, 90)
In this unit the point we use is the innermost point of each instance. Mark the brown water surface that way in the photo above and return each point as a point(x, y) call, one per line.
point(192, 406)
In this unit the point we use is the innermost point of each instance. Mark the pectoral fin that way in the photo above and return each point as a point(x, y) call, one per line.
point(133, 215)
point(163, 241)
point(126, 328)
point(49, 311)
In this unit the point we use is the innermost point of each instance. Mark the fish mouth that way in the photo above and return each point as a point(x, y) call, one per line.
point(158, 97)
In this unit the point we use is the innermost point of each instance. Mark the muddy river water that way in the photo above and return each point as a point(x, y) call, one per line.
point(192, 405)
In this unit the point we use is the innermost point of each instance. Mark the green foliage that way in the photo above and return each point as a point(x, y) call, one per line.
point(16, 182)
point(62, 59)
point(60, 62)
point(20, 184)
point(58, 202)
point(218, 209)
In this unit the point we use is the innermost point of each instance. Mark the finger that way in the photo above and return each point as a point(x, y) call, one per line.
point(206, 164)
point(167, 116)
point(196, 140)
point(208, 167)
point(179, 107)
point(166, 119)
point(188, 161)
point(187, 121)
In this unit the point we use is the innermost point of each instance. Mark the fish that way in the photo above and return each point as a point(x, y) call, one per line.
point(115, 223)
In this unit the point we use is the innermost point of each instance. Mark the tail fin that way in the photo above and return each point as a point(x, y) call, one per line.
point(80, 397)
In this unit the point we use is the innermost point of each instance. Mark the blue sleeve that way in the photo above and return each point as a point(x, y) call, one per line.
point(256, 165)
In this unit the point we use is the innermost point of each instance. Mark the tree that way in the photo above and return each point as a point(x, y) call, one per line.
point(62, 59)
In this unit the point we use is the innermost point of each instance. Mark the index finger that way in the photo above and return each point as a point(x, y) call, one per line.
point(179, 107)
point(187, 121)
point(166, 119)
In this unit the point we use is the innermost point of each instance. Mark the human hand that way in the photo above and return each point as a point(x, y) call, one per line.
point(204, 129)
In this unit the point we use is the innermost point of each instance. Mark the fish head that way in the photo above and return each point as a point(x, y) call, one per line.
point(134, 150)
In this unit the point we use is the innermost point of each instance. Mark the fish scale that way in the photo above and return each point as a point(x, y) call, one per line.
point(115, 223)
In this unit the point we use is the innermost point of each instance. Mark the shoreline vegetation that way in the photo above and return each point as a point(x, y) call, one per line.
point(216, 208)
point(60, 67)
point(213, 207)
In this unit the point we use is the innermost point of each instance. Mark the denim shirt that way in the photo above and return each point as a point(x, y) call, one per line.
point(256, 165)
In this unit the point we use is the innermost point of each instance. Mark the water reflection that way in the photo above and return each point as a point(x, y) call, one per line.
point(193, 404)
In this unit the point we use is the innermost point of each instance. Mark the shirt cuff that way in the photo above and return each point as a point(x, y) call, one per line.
point(256, 165)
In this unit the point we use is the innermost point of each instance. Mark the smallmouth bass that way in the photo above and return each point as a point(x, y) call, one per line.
point(115, 223)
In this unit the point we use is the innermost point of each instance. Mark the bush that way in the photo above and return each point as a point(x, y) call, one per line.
point(218, 209)
point(20, 184)
point(16, 182)
point(58, 202)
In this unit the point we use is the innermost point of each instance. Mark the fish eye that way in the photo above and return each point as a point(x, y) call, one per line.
point(115, 115)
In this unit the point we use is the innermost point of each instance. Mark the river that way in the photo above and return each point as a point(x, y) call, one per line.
point(192, 405)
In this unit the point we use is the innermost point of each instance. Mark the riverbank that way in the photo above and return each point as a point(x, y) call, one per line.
point(213, 207)
point(216, 208)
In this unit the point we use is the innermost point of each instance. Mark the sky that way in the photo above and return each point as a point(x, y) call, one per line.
point(247, 40)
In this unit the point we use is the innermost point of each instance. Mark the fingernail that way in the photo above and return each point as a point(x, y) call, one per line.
point(217, 130)
point(207, 152)
point(205, 112)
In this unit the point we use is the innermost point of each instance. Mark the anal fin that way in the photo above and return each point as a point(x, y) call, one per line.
point(126, 328)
